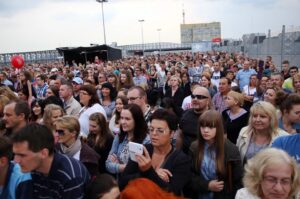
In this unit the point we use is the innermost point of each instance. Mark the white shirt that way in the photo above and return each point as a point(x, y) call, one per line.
point(84, 115)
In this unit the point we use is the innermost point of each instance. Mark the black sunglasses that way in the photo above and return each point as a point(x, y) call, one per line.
point(60, 132)
point(199, 96)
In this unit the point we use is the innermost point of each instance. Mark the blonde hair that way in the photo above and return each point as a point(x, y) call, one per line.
point(238, 97)
point(177, 78)
point(255, 168)
point(70, 123)
point(265, 108)
point(48, 114)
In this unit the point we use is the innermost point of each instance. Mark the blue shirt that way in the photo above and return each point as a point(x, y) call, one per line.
point(243, 76)
point(18, 185)
point(290, 144)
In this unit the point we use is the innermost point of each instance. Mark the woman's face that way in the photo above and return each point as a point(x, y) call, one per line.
point(84, 97)
point(119, 105)
point(55, 115)
point(127, 121)
point(22, 96)
point(64, 135)
point(49, 93)
point(184, 78)
point(94, 128)
point(230, 101)
point(260, 121)
point(296, 83)
point(22, 77)
point(208, 134)
point(105, 92)
point(270, 96)
point(294, 114)
point(37, 110)
point(276, 183)
point(204, 82)
point(111, 79)
point(253, 80)
point(123, 78)
point(174, 82)
point(160, 134)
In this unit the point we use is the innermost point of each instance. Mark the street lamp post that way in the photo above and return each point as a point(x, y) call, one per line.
point(158, 30)
point(102, 1)
point(141, 21)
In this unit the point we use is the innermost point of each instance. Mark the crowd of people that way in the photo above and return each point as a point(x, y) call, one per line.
point(212, 125)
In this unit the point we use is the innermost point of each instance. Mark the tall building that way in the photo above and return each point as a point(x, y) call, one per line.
point(195, 33)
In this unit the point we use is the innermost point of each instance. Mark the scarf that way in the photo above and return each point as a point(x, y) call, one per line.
point(71, 150)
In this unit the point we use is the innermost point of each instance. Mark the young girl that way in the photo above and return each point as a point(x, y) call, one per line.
point(214, 160)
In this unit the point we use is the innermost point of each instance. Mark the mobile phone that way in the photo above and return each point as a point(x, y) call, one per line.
point(135, 149)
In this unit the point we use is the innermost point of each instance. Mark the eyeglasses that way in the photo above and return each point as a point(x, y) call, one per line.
point(133, 98)
point(272, 181)
point(83, 93)
point(60, 132)
point(158, 130)
point(198, 96)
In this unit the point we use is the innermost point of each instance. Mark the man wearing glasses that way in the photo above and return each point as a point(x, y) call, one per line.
point(201, 102)
point(139, 79)
point(137, 95)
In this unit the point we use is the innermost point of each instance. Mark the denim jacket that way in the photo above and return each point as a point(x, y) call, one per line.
point(122, 153)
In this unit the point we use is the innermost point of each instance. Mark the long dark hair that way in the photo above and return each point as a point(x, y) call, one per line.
point(212, 119)
point(40, 103)
point(140, 126)
point(101, 137)
point(118, 114)
point(92, 92)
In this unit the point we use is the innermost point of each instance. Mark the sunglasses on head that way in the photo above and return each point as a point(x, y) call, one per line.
point(199, 96)
point(60, 132)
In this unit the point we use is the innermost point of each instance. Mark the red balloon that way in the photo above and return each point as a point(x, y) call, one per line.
point(17, 61)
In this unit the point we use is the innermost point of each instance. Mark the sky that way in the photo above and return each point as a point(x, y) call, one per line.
point(31, 25)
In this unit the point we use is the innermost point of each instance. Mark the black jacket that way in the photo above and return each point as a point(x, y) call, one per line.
point(176, 162)
point(198, 184)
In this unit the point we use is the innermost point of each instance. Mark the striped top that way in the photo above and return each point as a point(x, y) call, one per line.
point(67, 178)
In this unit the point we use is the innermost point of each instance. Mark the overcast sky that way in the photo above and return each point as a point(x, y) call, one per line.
point(31, 25)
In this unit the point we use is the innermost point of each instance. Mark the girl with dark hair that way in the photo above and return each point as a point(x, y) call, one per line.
point(52, 91)
point(214, 160)
point(126, 80)
point(37, 111)
point(25, 84)
point(91, 104)
point(108, 95)
point(114, 123)
point(134, 129)
point(100, 138)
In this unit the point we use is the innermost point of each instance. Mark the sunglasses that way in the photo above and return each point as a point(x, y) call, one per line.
point(60, 132)
point(198, 96)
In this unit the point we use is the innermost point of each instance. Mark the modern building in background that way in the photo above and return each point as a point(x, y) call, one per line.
point(196, 33)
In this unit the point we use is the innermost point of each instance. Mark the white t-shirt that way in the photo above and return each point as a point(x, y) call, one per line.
point(84, 115)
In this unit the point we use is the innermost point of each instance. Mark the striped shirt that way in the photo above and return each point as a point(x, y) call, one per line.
point(67, 178)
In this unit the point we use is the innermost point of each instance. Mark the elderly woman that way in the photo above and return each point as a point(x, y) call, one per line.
point(91, 104)
point(168, 167)
point(68, 129)
point(271, 174)
point(261, 131)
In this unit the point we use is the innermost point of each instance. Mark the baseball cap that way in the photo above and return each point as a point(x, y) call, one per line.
point(77, 80)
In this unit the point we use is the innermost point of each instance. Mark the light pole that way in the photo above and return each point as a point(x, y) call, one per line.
point(158, 30)
point(141, 21)
point(102, 1)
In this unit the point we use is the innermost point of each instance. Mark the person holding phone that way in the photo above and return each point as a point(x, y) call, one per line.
point(160, 162)
point(217, 167)
point(134, 129)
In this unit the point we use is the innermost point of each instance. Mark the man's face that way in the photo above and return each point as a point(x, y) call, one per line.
point(27, 159)
point(1, 77)
point(200, 104)
point(285, 67)
point(216, 66)
point(293, 72)
point(64, 92)
point(134, 98)
point(224, 86)
point(276, 80)
point(10, 118)
point(246, 65)
point(39, 81)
